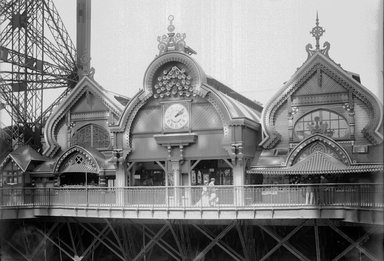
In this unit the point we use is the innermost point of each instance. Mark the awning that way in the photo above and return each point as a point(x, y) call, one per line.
point(318, 163)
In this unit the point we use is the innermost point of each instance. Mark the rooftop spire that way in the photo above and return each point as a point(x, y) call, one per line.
point(173, 41)
point(317, 32)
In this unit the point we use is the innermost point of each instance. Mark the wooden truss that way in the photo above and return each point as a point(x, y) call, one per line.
point(119, 239)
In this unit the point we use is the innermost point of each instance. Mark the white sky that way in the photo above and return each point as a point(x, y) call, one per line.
point(253, 46)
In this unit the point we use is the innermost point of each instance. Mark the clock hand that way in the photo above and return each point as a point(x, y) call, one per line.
point(179, 112)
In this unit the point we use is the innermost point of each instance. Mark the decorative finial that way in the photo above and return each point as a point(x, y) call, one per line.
point(173, 41)
point(171, 27)
point(317, 32)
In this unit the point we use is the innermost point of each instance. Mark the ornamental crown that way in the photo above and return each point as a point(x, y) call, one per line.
point(173, 41)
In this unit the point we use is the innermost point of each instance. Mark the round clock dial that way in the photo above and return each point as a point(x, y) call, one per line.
point(176, 116)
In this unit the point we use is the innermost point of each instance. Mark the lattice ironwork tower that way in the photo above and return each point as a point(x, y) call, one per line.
point(36, 54)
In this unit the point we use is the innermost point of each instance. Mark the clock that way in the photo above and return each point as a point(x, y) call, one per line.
point(176, 116)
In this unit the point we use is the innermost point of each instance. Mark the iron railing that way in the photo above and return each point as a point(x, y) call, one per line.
point(250, 196)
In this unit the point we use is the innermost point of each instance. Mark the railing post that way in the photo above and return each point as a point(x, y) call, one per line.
point(166, 197)
point(360, 197)
point(33, 196)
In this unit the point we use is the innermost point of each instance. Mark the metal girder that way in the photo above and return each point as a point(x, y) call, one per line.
point(215, 241)
point(242, 240)
point(284, 242)
point(101, 239)
point(161, 243)
point(353, 243)
point(58, 246)
point(317, 241)
point(59, 32)
point(18, 251)
point(152, 242)
point(44, 116)
point(33, 62)
point(71, 237)
point(41, 244)
point(116, 237)
point(177, 239)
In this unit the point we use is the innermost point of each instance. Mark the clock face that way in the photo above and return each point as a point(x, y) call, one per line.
point(176, 116)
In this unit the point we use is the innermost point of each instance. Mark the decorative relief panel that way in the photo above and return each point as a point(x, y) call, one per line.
point(91, 135)
point(314, 99)
point(204, 116)
point(79, 160)
point(320, 143)
point(173, 82)
point(86, 116)
point(316, 147)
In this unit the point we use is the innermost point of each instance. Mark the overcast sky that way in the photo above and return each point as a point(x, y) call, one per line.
point(253, 46)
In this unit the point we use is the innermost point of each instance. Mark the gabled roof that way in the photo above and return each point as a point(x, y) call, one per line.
point(346, 79)
point(23, 157)
point(114, 102)
point(318, 163)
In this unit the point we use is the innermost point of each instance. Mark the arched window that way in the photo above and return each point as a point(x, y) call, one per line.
point(323, 122)
point(91, 135)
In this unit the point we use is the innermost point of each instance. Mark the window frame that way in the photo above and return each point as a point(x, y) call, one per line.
point(339, 120)
point(92, 136)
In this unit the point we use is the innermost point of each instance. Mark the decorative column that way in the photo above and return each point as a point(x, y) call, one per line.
point(351, 118)
point(175, 167)
point(118, 160)
point(238, 173)
point(291, 112)
point(175, 144)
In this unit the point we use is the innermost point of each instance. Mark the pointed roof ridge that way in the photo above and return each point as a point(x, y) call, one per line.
point(23, 156)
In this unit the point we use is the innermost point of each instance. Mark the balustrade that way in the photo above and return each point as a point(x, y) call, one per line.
point(351, 195)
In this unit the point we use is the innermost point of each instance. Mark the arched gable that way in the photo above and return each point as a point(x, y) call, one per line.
point(318, 67)
point(79, 158)
point(175, 87)
point(226, 107)
point(86, 87)
point(318, 143)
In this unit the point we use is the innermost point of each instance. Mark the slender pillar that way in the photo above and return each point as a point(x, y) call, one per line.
point(239, 181)
point(120, 181)
point(175, 166)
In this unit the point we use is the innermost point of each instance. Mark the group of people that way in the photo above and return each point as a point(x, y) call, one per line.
point(208, 195)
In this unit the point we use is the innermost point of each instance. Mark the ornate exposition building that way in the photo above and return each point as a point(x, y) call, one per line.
point(189, 169)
